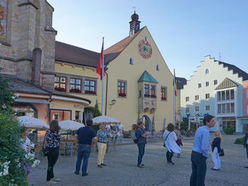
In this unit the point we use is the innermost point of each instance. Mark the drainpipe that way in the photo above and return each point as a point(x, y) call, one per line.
point(106, 95)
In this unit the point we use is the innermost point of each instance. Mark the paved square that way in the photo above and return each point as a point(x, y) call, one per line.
point(121, 167)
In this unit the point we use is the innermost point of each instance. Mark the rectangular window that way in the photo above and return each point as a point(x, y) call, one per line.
point(196, 108)
point(60, 83)
point(227, 94)
point(207, 107)
point(215, 82)
point(207, 83)
point(163, 93)
point(187, 99)
point(219, 96)
point(153, 91)
point(228, 108)
point(197, 97)
point(89, 86)
point(75, 85)
point(147, 90)
point(122, 88)
point(4, 20)
point(223, 109)
point(219, 108)
point(207, 96)
point(232, 107)
point(232, 94)
point(199, 85)
point(223, 95)
point(187, 109)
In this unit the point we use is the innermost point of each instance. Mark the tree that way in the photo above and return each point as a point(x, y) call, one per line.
point(96, 110)
point(11, 153)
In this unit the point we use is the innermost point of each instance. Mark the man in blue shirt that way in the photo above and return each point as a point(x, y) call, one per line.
point(141, 136)
point(85, 138)
point(200, 152)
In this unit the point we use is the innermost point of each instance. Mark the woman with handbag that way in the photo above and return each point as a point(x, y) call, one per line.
point(170, 139)
point(216, 151)
point(51, 146)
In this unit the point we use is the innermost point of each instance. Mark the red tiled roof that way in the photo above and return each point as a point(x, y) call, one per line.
point(121, 45)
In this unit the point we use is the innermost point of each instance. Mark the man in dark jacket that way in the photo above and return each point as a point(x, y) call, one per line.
point(141, 137)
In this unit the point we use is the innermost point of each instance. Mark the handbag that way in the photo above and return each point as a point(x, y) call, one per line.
point(222, 152)
point(45, 149)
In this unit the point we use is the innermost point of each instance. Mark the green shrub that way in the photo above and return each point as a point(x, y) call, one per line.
point(11, 153)
point(229, 131)
point(239, 140)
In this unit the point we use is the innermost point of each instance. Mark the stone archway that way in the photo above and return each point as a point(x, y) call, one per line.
point(147, 121)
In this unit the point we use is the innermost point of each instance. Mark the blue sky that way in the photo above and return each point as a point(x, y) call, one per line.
point(184, 30)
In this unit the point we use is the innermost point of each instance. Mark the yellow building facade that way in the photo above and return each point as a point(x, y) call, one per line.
point(137, 83)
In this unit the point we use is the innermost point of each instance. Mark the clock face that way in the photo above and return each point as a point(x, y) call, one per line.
point(145, 49)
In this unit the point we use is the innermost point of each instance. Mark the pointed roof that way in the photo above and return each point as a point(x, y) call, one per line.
point(147, 77)
point(226, 83)
point(121, 45)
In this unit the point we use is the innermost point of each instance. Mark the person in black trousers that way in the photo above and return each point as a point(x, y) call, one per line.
point(52, 141)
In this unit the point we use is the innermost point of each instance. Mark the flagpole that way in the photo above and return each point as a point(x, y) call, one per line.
point(174, 98)
point(103, 77)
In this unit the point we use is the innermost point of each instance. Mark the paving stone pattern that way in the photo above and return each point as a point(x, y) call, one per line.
point(121, 167)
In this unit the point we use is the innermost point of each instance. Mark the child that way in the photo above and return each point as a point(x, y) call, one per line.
point(216, 150)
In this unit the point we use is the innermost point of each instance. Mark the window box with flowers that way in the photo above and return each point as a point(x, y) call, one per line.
point(146, 95)
point(153, 96)
point(76, 90)
point(163, 98)
point(60, 89)
point(122, 94)
point(89, 92)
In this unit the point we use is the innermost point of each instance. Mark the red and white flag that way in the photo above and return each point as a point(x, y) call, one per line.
point(100, 65)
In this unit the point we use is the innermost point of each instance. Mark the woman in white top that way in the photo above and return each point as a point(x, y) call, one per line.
point(170, 139)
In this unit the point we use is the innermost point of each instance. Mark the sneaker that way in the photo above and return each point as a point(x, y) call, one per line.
point(77, 173)
point(215, 169)
point(56, 179)
point(103, 164)
point(99, 166)
point(171, 162)
point(140, 166)
point(50, 182)
point(85, 174)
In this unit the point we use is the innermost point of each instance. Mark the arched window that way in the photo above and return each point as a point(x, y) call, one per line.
point(206, 71)
point(157, 67)
point(3, 20)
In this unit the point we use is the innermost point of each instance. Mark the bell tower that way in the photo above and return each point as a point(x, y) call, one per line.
point(134, 24)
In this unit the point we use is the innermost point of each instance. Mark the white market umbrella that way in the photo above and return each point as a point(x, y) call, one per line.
point(70, 125)
point(31, 122)
point(105, 120)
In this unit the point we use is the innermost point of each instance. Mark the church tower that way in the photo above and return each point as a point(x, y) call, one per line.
point(134, 24)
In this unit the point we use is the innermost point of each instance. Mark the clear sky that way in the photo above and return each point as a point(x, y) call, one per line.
point(184, 30)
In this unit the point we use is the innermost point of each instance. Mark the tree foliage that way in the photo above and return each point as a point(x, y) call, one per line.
point(96, 110)
point(11, 153)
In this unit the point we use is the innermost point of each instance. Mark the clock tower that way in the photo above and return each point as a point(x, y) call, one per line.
point(134, 24)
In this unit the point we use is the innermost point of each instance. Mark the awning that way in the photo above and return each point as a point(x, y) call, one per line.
point(25, 100)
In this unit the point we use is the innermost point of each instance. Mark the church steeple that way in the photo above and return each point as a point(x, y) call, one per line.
point(134, 24)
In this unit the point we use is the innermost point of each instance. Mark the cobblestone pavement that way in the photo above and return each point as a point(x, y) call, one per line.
point(121, 167)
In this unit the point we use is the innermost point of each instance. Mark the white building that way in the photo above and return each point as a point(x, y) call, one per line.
point(215, 88)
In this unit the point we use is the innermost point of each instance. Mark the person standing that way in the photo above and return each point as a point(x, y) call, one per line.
point(85, 139)
point(246, 145)
point(52, 141)
point(216, 150)
point(200, 152)
point(179, 139)
point(102, 139)
point(170, 139)
point(141, 136)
